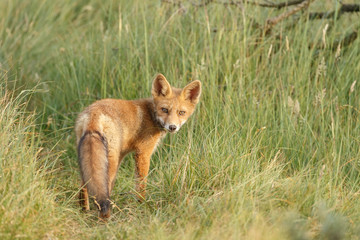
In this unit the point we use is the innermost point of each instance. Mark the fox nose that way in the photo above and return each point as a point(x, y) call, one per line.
point(172, 128)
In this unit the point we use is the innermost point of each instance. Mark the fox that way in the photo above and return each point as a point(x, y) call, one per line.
point(109, 129)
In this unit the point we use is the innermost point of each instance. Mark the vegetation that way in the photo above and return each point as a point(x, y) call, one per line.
point(272, 152)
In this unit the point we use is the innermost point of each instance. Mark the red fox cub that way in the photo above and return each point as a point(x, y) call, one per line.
point(109, 129)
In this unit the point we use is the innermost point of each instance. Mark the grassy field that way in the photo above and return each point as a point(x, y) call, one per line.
point(272, 152)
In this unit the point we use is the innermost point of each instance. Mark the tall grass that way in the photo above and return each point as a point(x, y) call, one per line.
point(272, 151)
point(28, 204)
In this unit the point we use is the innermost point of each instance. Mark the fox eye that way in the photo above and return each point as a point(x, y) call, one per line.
point(181, 113)
point(165, 110)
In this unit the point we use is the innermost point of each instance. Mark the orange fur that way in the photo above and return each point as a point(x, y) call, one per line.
point(109, 129)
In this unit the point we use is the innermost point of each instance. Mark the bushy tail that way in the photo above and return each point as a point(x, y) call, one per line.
point(93, 161)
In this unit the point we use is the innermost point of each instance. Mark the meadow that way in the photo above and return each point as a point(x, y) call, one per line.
point(272, 151)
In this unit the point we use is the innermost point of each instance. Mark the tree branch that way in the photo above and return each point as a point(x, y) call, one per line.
point(277, 5)
point(343, 9)
point(348, 39)
point(271, 22)
point(261, 4)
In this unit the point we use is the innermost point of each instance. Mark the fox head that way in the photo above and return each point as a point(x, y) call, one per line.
point(173, 106)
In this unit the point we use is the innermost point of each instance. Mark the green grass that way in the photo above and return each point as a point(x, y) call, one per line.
point(272, 152)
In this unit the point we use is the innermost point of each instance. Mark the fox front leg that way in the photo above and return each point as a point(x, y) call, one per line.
point(142, 169)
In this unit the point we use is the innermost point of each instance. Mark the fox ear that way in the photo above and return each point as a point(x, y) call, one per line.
point(160, 86)
point(192, 91)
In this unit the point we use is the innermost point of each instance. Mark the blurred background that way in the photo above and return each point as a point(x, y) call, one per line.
point(272, 152)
